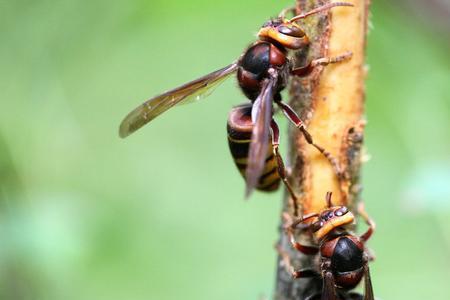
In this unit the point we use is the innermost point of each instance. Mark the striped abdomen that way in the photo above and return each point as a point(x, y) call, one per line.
point(239, 128)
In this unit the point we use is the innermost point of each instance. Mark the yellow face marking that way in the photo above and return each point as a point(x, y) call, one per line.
point(285, 40)
point(333, 223)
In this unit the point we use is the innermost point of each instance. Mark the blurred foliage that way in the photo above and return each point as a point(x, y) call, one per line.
point(85, 215)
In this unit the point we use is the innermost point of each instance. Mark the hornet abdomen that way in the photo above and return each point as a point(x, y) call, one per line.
point(239, 128)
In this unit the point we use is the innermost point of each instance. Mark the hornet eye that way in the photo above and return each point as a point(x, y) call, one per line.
point(341, 211)
point(291, 31)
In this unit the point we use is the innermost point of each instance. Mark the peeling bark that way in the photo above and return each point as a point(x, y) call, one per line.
point(331, 102)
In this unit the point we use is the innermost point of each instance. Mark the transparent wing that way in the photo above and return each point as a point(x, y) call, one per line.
point(368, 290)
point(261, 117)
point(328, 289)
point(155, 106)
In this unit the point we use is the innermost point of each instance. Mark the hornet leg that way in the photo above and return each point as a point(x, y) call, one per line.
point(303, 273)
point(289, 229)
point(293, 117)
point(280, 163)
point(362, 212)
point(323, 61)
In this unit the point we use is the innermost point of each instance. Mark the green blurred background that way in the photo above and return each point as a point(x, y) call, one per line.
point(85, 215)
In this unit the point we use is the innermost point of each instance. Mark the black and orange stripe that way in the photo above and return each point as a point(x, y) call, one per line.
point(239, 128)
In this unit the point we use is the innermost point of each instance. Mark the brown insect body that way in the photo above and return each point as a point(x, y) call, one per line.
point(345, 254)
point(276, 36)
point(342, 252)
point(239, 129)
point(263, 71)
point(344, 259)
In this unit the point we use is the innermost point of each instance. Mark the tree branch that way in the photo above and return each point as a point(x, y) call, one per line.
point(331, 102)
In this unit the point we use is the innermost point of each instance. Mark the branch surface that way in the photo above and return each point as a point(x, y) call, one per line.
point(331, 102)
